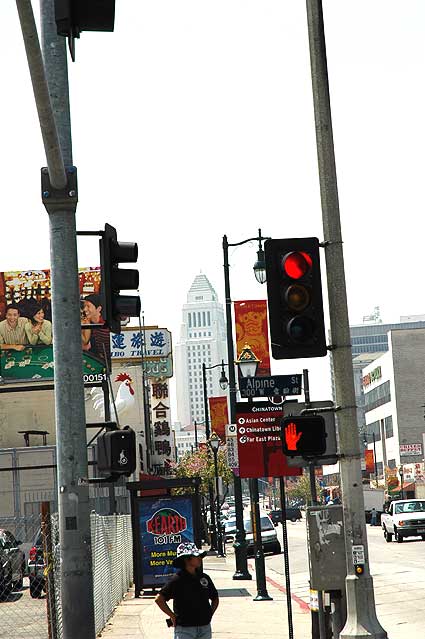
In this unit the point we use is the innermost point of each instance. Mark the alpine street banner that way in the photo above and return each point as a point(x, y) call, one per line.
point(252, 329)
point(218, 416)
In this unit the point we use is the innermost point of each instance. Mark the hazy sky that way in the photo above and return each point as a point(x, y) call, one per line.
point(195, 119)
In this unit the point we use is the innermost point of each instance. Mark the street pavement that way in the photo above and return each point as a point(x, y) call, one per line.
point(399, 584)
point(22, 617)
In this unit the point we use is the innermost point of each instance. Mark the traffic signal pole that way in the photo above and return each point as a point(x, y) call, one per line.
point(59, 188)
point(361, 621)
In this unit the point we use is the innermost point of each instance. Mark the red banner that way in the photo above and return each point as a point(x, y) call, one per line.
point(219, 416)
point(259, 446)
point(370, 462)
point(252, 329)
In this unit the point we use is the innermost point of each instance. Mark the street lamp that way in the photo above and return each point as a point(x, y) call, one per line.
point(240, 544)
point(260, 264)
point(223, 384)
point(401, 473)
point(214, 443)
point(248, 362)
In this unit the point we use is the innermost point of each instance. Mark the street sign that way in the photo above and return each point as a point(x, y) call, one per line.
point(282, 385)
point(232, 447)
point(259, 445)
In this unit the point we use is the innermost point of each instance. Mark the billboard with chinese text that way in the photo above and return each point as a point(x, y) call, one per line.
point(163, 444)
point(26, 335)
point(252, 329)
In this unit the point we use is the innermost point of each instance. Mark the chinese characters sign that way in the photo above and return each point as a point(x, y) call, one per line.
point(163, 443)
point(410, 449)
point(148, 343)
point(252, 329)
point(218, 416)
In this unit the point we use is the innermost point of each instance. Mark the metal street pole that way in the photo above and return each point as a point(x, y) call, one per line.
point(240, 544)
point(361, 614)
point(207, 436)
point(59, 186)
point(220, 552)
point(196, 435)
point(375, 463)
point(286, 557)
point(260, 571)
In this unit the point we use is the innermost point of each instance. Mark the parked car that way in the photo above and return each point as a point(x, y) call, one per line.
point(12, 563)
point(405, 518)
point(293, 514)
point(36, 567)
point(268, 535)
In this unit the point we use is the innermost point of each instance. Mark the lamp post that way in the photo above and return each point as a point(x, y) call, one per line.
point(259, 272)
point(223, 384)
point(214, 443)
point(248, 364)
point(401, 473)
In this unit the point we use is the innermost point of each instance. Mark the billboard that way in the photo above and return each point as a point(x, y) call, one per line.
point(252, 329)
point(26, 335)
point(218, 416)
point(164, 523)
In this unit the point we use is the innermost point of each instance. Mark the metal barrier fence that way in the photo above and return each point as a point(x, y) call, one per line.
point(30, 604)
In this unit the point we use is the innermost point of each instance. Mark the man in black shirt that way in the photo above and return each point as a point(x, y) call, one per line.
point(191, 591)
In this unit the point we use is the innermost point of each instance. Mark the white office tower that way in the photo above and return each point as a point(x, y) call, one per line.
point(202, 339)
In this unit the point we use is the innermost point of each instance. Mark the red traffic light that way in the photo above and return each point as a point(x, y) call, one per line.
point(297, 264)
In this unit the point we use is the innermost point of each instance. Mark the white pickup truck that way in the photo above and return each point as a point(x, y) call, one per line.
point(405, 518)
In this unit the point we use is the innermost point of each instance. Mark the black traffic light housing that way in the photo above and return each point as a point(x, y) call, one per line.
point(303, 436)
point(74, 16)
point(115, 279)
point(294, 292)
point(116, 452)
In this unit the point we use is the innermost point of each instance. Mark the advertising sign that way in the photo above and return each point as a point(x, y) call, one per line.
point(370, 462)
point(410, 449)
point(218, 416)
point(164, 523)
point(232, 447)
point(259, 444)
point(252, 329)
point(161, 424)
point(150, 342)
point(26, 324)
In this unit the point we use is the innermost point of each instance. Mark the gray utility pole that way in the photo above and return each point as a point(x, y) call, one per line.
point(361, 614)
point(59, 188)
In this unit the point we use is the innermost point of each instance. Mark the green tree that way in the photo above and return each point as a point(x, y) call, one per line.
point(201, 464)
point(300, 488)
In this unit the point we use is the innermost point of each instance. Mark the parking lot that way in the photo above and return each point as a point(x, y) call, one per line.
point(22, 617)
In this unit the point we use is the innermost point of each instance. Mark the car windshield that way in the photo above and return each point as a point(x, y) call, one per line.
point(410, 507)
point(230, 524)
point(266, 524)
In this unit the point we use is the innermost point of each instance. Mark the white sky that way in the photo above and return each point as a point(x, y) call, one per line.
point(195, 119)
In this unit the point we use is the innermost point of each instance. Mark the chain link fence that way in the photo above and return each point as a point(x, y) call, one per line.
point(30, 601)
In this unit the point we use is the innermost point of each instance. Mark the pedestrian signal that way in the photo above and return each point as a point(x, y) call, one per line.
point(116, 452)
point(304, 436)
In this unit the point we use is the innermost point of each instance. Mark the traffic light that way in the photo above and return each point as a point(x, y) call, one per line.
point(303, 436)
point(116, 452)
point(114, 279)
point(74, 16)
point(294, 291)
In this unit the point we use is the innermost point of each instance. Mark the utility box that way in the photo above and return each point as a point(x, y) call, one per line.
point(326, 546)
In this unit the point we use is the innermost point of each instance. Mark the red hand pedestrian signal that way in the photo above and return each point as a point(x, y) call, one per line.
point(291, 436)
point(304, 436)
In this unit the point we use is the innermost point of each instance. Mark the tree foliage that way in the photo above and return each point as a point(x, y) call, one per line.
point(201, 464)
point(300, 488)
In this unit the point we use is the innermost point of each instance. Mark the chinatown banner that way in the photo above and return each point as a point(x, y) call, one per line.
point(252, 329)
point(370, 461)
point(163, 523)
point(218, 416)
point(26, 326)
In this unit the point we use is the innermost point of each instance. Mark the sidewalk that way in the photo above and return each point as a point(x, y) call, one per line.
point(238, 616)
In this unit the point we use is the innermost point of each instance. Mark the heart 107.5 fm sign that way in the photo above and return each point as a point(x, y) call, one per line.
point(164, 523)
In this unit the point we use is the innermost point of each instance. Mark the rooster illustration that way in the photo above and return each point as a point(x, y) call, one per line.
point(124, 399)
